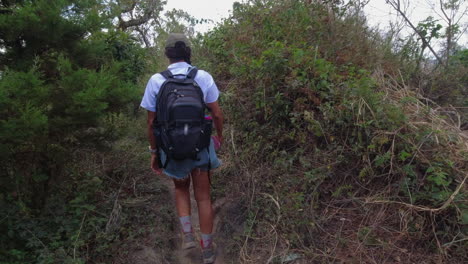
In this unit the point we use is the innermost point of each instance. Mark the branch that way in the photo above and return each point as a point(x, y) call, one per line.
point(443, 11)
point(137, 21)
point(143, 35)
point(462, 16)
point(128, 9)
point(462, 33)
point(6, 11)
point(78, 236)
point(397, 7)
point(134, 22)
point(424, 208)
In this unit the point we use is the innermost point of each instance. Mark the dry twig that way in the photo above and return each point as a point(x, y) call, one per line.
point(424, 208)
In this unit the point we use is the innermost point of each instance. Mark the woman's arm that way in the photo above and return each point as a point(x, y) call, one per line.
point(218, 119)
point(152, 140)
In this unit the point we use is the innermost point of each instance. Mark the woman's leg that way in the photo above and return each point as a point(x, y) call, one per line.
point(201, 188)
point(182, 197)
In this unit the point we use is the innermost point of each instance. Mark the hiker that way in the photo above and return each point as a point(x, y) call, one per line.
point(195, 168)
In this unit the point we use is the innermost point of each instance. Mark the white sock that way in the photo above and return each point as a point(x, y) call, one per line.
point(207, 240)
point(186, 223)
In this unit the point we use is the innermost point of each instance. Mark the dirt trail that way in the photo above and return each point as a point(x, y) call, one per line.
point(194, 256)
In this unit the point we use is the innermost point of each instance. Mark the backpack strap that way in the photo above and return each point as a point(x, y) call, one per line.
point(160, 165)
point(192, 73)
point(167, 74)
point(166, 162)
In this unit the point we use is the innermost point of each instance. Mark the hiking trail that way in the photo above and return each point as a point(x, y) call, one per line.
point(145, 250)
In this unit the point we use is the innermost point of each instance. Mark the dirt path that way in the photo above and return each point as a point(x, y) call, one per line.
point(193, 256)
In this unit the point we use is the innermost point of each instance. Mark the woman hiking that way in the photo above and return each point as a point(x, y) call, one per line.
point(186, 170)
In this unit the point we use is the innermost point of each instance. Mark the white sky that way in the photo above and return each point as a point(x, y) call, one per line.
point(215, 10)
point(378, 12)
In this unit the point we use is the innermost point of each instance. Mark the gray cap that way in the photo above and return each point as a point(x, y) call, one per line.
point(173, 38)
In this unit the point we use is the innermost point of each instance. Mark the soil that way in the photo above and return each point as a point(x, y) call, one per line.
point(149, 255)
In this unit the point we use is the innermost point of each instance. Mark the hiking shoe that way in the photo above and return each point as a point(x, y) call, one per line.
point(189, 241)
point(209, 255)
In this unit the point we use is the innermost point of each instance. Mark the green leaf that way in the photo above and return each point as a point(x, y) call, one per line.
point(464, 216)
point(40, 177)
point(404, 155)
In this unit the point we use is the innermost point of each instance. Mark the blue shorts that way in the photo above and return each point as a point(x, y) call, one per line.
point(180, 169)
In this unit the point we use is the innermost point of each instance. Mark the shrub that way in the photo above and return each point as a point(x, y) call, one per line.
point(62, 76)
point(327, 135)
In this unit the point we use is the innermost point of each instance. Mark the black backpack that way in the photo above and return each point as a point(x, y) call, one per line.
point(180, 127)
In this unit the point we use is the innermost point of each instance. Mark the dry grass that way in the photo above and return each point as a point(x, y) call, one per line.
point(378, 228)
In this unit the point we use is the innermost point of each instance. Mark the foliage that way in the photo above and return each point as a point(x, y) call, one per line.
point(65, 73)
point(434, 74)
point(323, 124)
point(104, 204)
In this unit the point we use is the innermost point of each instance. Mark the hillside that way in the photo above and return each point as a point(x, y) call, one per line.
point(334, 154)
point(343, 144)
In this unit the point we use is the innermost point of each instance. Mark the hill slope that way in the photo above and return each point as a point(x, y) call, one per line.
point(333, 155)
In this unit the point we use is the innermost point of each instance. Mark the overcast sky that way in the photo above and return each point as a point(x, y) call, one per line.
point(377, 11)
point(215, 10)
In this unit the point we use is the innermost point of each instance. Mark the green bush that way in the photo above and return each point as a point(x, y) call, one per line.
point(66, 78)
point(311, 96)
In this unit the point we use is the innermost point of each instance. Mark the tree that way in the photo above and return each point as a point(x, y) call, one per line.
point(63, 68)
point(138, 16)
point(450, 11)
point(145, 20)
point(399, 6)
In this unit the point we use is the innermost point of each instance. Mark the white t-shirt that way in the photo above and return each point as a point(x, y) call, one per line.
point(204, 80)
